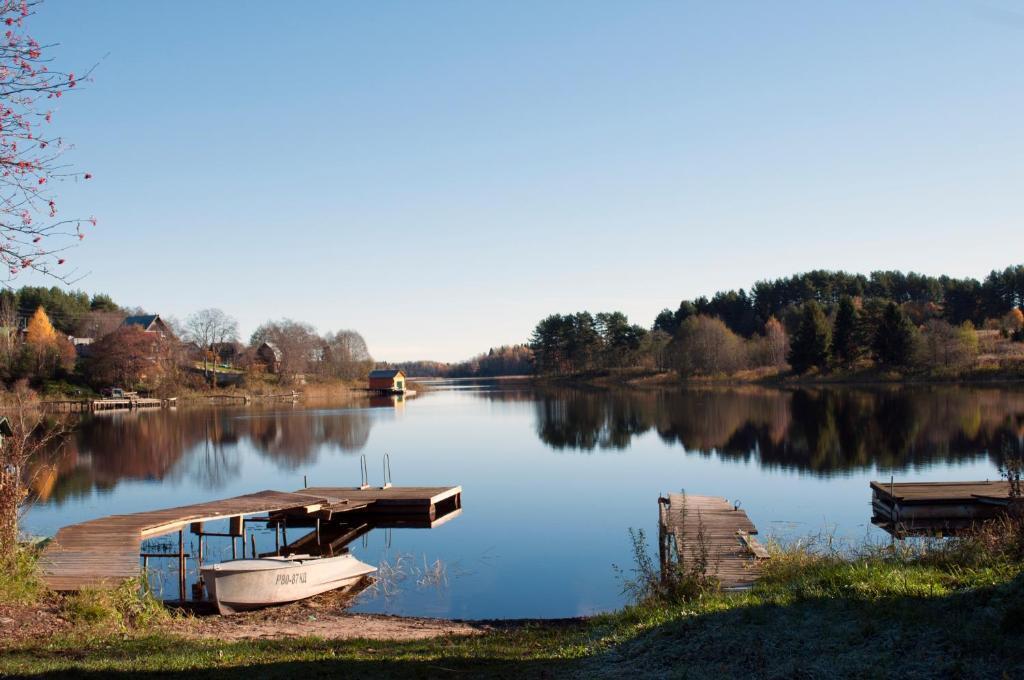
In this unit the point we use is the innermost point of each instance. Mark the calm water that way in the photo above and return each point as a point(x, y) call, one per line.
point(552, 478)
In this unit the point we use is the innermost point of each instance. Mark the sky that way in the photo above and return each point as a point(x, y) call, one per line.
point(441, 175)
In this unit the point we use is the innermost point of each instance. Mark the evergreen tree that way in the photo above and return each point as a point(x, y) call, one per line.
point(844, 332)
point(665, 322)
point(894, 337)
point(809, 347)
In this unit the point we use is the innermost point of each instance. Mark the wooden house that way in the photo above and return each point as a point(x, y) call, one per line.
point(387, 380)
point(227, 353)
point(151, 323)
point(268, 355)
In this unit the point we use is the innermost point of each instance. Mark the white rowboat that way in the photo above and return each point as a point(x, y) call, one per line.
point(250, 584)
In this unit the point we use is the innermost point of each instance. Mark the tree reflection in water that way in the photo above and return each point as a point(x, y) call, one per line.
point(201, 445)
point(823, 430)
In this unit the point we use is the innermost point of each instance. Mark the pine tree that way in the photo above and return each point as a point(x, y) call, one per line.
point(844, 332)
point(894, 338)
point(809, 348)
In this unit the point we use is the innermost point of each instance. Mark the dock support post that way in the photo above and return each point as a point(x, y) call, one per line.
point(663, 552)
point(181, 565)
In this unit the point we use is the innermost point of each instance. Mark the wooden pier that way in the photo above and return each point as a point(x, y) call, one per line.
point(913, 508)
point(104, 552)
point(87, 405)
point(126, 403)
point(694, 527)
point(132, 403)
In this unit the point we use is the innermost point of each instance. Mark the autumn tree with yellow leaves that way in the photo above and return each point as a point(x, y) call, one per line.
point(40, 332)
point(45, 351)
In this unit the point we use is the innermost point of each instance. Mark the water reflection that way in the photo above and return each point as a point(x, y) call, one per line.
point(823, 431)
point(203, 446)
point(539, 464)
point(820, 431)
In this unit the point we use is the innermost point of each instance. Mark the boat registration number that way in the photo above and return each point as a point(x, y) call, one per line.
point(291, 579)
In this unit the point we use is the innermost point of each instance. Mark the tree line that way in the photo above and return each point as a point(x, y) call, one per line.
point(954, 300)
point(817, 321)
point(497, 361)
point(65, 340)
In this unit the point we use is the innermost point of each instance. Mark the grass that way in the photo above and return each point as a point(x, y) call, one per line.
point(129, 607)
point(926, 610)
point(20, 583)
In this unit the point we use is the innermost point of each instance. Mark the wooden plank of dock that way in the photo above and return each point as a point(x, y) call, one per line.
point(941, 492)
point(940, 508)
point(734, 557)
point(102, 553)
point(392, 497)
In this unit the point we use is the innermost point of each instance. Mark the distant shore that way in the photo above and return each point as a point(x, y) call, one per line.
point(650, 379)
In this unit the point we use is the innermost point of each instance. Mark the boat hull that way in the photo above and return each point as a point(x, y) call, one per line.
point(241, 585)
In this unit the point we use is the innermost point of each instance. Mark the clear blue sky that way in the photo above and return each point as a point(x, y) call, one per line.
point(440, 175)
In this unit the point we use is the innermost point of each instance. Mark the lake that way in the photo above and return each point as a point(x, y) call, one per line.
point(553, 477)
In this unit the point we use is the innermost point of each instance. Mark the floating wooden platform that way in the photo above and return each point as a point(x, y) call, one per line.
point(734, 556)
point(906, 508)
point(104, 552)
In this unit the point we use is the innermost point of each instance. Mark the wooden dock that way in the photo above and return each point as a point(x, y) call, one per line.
point(104, 552)
point(126, 403)
point(910, 508)
point(690, 525)
point(87, 405)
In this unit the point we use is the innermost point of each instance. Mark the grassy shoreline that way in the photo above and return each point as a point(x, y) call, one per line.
point(949, 610)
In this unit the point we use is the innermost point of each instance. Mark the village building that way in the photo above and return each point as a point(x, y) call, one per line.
point(81, 345)
point(151, 323)
point(269, 356)
point(227, 353)
point(387, 380)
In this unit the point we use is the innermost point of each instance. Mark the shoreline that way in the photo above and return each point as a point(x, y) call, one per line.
point(924, 612)
point(646, 380)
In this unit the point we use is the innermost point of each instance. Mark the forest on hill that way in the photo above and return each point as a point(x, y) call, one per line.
point(819, 321)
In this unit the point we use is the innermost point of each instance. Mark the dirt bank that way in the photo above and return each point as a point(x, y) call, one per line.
point(324, 616)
